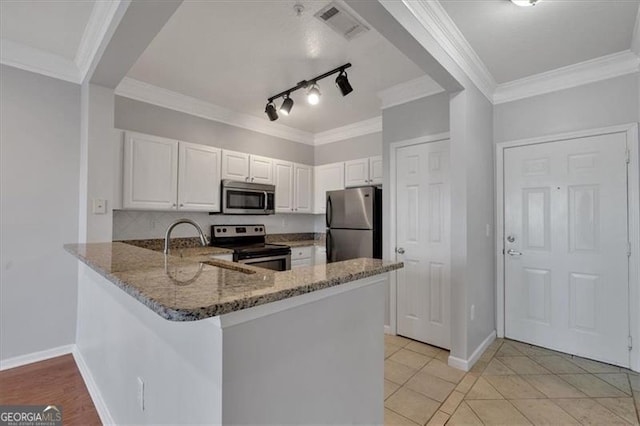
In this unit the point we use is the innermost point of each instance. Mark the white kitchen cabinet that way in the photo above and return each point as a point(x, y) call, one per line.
point(320, 255)
point(246, 167)
point(283, 179)
point(198, 178)
point(260, 169)
point(356, 172)
point(235, 165)
point(227, 256)
point(150, 176)
point(303, 188)
point(375, 170)
point(301, 257)
point(294, 187)
point(363, 171)
point(328, 177)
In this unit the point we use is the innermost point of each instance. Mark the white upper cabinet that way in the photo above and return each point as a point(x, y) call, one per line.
point(375, 170)
point(246, 167)
point(303, 184)
point(198, 178)
point(150, 180)
point(294, 187)
point(363, 171)
point(329, 177)
point(235, 165)
point(261, 169)
point(283, 179)
point(356, 172)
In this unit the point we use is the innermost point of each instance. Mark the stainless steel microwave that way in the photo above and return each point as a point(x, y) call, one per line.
point(247, 198)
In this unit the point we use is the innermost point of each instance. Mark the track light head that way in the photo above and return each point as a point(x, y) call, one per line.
point(313, 95)
point(270, 109)
point(286, 106)
point(343, 83)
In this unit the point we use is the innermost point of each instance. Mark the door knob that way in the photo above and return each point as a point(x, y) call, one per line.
point(512, 252)
point(400, 250)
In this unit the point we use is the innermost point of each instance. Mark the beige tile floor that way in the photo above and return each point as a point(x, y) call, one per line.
point(512, 384)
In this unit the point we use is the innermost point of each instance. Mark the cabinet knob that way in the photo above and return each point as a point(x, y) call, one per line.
point(181, 205)
point(252, 179)
point(173, 205)
point(246, 179)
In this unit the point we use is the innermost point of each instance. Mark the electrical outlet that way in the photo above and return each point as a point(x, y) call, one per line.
point(99, 206)
point(140, 393)
point(472, 314)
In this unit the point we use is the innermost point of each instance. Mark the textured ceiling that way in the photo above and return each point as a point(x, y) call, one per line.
point(516, 42)
point(238, 53)
point(52, 26)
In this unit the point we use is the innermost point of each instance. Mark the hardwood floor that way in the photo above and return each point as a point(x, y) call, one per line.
point(55, 381)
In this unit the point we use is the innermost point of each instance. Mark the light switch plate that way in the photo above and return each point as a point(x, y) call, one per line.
point(99, 206)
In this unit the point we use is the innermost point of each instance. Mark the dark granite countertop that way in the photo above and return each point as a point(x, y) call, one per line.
point(195, 287)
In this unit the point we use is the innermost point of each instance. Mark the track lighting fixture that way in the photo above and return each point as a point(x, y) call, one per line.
point(525, 3)
point(313, 95)
point(270, 109)
point(343, 83)
point(313, 92)
point(286, 106)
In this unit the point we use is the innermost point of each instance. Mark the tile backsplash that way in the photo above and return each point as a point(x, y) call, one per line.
point(132, 224)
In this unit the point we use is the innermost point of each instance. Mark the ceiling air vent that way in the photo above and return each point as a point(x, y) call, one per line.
point(341, 21)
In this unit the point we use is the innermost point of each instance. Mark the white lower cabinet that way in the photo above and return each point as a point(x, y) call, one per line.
point(301, 257)
point(227, 256)
point(320, 255)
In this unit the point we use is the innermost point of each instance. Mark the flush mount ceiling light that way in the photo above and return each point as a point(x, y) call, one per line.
point(525, 3)
point(313, 95)
point(313, 92)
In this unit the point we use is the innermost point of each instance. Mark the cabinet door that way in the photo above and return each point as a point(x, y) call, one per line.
point(235, 165)
point(283, 175)
point(198, 178)
point(375, 170)
point(356, 172)
point(303, 184)
point(150, 180)
point(329, 177)
point(261, 170)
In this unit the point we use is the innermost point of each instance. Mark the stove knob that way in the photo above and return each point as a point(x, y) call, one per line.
point(256, 229)
point(224, 230)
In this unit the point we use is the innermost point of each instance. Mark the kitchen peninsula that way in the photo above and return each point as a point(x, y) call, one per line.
point(192, 339)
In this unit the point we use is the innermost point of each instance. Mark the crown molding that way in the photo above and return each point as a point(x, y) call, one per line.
point(145, 92)
point(102, 15)
point(590, 71)
point(439, 24)
point(27, 58)
point(360, 128)
point(408, 91)
point(635, 38)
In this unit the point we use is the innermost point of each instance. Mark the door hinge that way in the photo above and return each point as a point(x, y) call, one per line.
point(628, 156)
point(628, 248)
point(630, 342)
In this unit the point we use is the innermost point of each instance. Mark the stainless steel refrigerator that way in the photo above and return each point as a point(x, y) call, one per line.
point(354, 223)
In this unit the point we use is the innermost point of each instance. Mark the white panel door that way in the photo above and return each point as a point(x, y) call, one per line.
point(283, 176)
point(198, 178)
point(566, 283)
point(375, 170)
point(356, 172)
point(423, 241)
point(235, 165)
point(328, 177)
point(303, 184)
point(150, 179)
point(261, 169)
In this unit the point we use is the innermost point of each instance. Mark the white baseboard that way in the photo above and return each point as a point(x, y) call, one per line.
point(96, 395)
point(21, 360)
point(466, 364)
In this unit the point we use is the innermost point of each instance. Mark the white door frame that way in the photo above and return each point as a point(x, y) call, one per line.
point(633, 193)
point(393, 148)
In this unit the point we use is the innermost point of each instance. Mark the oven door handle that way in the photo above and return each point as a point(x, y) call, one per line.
point(262, 259)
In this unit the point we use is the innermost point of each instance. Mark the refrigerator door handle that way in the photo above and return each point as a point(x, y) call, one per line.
point(329, 213)
point(328, 242)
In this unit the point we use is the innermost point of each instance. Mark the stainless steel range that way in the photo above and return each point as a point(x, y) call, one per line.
point(249, 246)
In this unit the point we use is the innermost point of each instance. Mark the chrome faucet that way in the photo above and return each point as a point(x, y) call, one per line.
point(167, 235)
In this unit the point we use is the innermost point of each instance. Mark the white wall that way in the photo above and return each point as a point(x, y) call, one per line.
point(39, 177)
point(349, 149)
point(131, 225)
point(600, 104)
